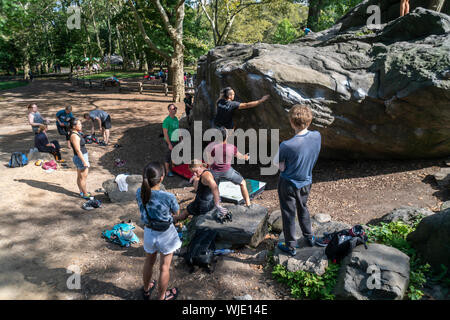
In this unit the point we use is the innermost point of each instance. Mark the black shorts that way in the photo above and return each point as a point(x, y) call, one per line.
point(168, 157)
point(107, 123)
point(198, 207)
point(63, 131)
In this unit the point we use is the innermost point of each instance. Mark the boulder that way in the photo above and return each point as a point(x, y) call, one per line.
point(322, 217)
point(442, 177)
point(376, 94)
point(34, 155)
point(249, 226)
point(310, 259)
point(445, 205)
point(406, 214)
point(378, 273)
point(275, 221)
point(431, 239)
point(318, 229)
point(115, 195)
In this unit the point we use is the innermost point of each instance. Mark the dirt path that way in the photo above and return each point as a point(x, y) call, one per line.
point(44, 230)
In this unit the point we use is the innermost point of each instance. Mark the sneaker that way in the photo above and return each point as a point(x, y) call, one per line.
point(170, 174)
point(311, 242)
point(285, 248)
point(86, 196)
point(102, 143)
point(324, 241)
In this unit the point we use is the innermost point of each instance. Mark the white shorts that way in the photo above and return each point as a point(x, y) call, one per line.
point(165, 242)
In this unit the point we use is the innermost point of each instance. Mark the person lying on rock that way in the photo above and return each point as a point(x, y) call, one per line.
point(207, 192)
point(296, 158)
point(34, 118)
point(104, 123)
point(220, 155)
point(43, 145)
point(226, 107)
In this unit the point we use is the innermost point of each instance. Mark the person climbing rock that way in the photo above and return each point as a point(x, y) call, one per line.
point(221, 155)
point(226, 106)
point(104, 123)
point(296, 158)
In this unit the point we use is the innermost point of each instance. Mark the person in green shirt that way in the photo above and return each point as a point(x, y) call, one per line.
point(170, 129)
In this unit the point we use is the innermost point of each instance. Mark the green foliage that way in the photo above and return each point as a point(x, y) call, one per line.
point(332, 11)
point(394, 234)
point(308, 285)
point(119, 75)
point(285, 32)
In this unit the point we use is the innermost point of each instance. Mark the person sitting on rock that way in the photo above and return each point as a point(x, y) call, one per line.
point(306, 30)
point(404, 7)
point(220, 155)
point(207, 192)
point(43, 145)
point(104, 123)
point(34, 118)
point(296, 158)
point(226, 107)
point(62, 122)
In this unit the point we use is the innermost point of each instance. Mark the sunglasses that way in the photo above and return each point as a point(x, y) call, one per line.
point(173, 108)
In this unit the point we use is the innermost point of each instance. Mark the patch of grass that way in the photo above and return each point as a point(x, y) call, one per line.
point(119, 74)
point(5, 85)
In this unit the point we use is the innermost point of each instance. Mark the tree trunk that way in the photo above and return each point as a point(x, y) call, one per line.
point(315, 7)
point(177, 68)
point(436, 5)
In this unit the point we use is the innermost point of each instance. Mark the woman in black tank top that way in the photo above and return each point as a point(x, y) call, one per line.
point(80, 157)
point(207, 196)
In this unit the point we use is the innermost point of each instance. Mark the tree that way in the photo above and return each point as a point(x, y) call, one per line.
point(436, 5)
point(285, 32)
point(174, 30)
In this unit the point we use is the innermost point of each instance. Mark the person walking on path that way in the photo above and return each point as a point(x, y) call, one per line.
point(34, 118)
point(157, 205)
point(221, 155)
point(226, 106)
point(63, 118)
point(103, 119)
point(170, 130)
point(296, 158)
point(80, 157)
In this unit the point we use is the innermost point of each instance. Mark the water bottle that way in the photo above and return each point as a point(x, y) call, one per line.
point(220, 252)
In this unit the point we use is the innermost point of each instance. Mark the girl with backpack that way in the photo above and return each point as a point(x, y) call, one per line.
point(80, 158)
point(43, 145)
point(159, 210)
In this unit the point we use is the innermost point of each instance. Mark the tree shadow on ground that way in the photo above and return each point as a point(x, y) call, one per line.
point(48, 187)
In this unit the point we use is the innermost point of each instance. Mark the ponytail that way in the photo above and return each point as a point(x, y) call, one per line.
point(151, 177)
point(41, 128)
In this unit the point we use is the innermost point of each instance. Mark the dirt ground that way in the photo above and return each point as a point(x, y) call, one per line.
point(44, 230)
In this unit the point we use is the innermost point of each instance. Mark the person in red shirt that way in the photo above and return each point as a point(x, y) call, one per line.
point(219, 155)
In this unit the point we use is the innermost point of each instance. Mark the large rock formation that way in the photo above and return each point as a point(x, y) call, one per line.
point(382, 92)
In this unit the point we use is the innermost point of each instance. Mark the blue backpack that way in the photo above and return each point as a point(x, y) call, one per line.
point(18, 159)
point(122, 234)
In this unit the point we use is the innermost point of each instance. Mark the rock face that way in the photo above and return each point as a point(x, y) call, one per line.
point(36, 155)
point(378, 273)
point(112, 189)
point(249, 226)
point(442, 177)
point(310, 259)
point(406, 214)
point(432, 239)
point(375, 93)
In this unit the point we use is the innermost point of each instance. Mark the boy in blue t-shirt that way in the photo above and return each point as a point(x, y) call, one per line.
point(62, 122)
point(296, 158)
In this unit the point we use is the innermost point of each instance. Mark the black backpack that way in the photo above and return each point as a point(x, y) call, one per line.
point(342, 242)
point(18, 159)
point(201, 250)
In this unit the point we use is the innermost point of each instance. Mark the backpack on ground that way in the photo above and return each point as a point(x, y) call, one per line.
point(201, 250)
point(122, 234)
point(342, 242)
point(18, 159)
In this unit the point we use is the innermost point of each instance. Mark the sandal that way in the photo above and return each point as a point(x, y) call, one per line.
point(147, 294)
point(171, 295)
